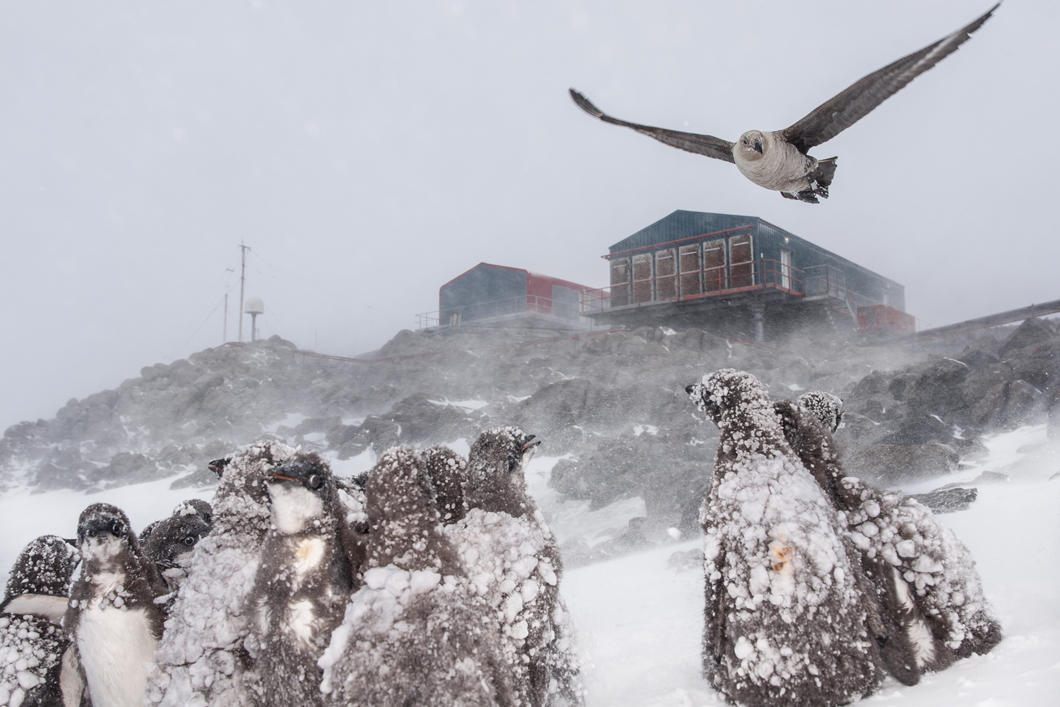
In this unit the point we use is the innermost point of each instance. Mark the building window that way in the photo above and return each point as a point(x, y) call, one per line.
point(714, 265)
point(691, 270)
point(665, 275)
point(741, 261)
point(642, 280)
point(619, 282)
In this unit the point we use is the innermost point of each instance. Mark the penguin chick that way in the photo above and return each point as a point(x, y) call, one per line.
point(514, 563)
point(202, 658)
point(784, 617)
point(112, 619)
point(32, 641)
point(807, 430)
point(924, 575)
point(304, 580)
point(416, 632)
point(170, 546)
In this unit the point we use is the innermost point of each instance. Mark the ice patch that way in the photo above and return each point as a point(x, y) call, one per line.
point(469, 405)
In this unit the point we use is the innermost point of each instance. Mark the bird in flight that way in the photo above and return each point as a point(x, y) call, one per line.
point(778, 160)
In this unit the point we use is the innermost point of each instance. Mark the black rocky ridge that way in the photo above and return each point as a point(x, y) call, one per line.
point(611, 404)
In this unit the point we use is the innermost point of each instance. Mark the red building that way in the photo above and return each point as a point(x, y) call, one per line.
point(500, 294)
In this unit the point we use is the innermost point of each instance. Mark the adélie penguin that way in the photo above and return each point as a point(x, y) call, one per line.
point(513, 562)
point(303, 582)
point(112, 618)
point(202, 658)
point(784, 616)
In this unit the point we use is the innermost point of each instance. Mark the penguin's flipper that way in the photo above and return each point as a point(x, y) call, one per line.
point(45, 606)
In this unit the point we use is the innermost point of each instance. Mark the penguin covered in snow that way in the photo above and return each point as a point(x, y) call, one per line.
point(32, 642)
point(202, 658)
point(303, 582)
point(112, 619)
point(171, 543)
point(925, 577)
point(887, 621)
point(514, 563)
point(415, 632)
point(448, 473)
point(784, 617)
point(193, 506)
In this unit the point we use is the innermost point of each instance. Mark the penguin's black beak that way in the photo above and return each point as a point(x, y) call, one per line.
point(217, 466)
point(758, 146)
point(531, 441)
point(690, 388)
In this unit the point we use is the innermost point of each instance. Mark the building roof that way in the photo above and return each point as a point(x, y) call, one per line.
point(686, 225)
point(529, 274)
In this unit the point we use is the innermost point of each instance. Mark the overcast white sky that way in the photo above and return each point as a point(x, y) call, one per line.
point(368, 152)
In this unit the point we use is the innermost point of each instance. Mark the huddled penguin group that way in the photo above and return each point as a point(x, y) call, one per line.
point(434, 579)
point(431, 579)
point(817, 584)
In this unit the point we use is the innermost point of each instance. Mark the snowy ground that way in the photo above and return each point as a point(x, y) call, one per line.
point(639, 621)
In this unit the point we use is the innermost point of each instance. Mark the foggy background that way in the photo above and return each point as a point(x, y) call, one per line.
point(369, 152)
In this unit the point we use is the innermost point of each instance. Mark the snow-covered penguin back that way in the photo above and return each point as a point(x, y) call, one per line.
point(513, 563)
point(448, 474)
point(937, 570)
point(785, 620)
point(415, 632)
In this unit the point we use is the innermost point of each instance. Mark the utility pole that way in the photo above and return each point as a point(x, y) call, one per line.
point(242, 283)
point(224, 329)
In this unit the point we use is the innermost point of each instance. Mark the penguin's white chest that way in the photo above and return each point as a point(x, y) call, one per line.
point(116, 647)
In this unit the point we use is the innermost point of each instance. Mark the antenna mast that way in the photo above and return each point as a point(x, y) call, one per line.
point(242, 283)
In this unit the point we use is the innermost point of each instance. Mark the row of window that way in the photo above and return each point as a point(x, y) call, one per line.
point(685, 271)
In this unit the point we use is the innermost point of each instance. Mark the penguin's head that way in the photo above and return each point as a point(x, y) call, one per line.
point(217, 466)
point(195, 507)
point(173, 539)
point(45, 566)
point(826, 407)
point(301, 490)
point(500, 453)
point(103, 531)
point(726, 391)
